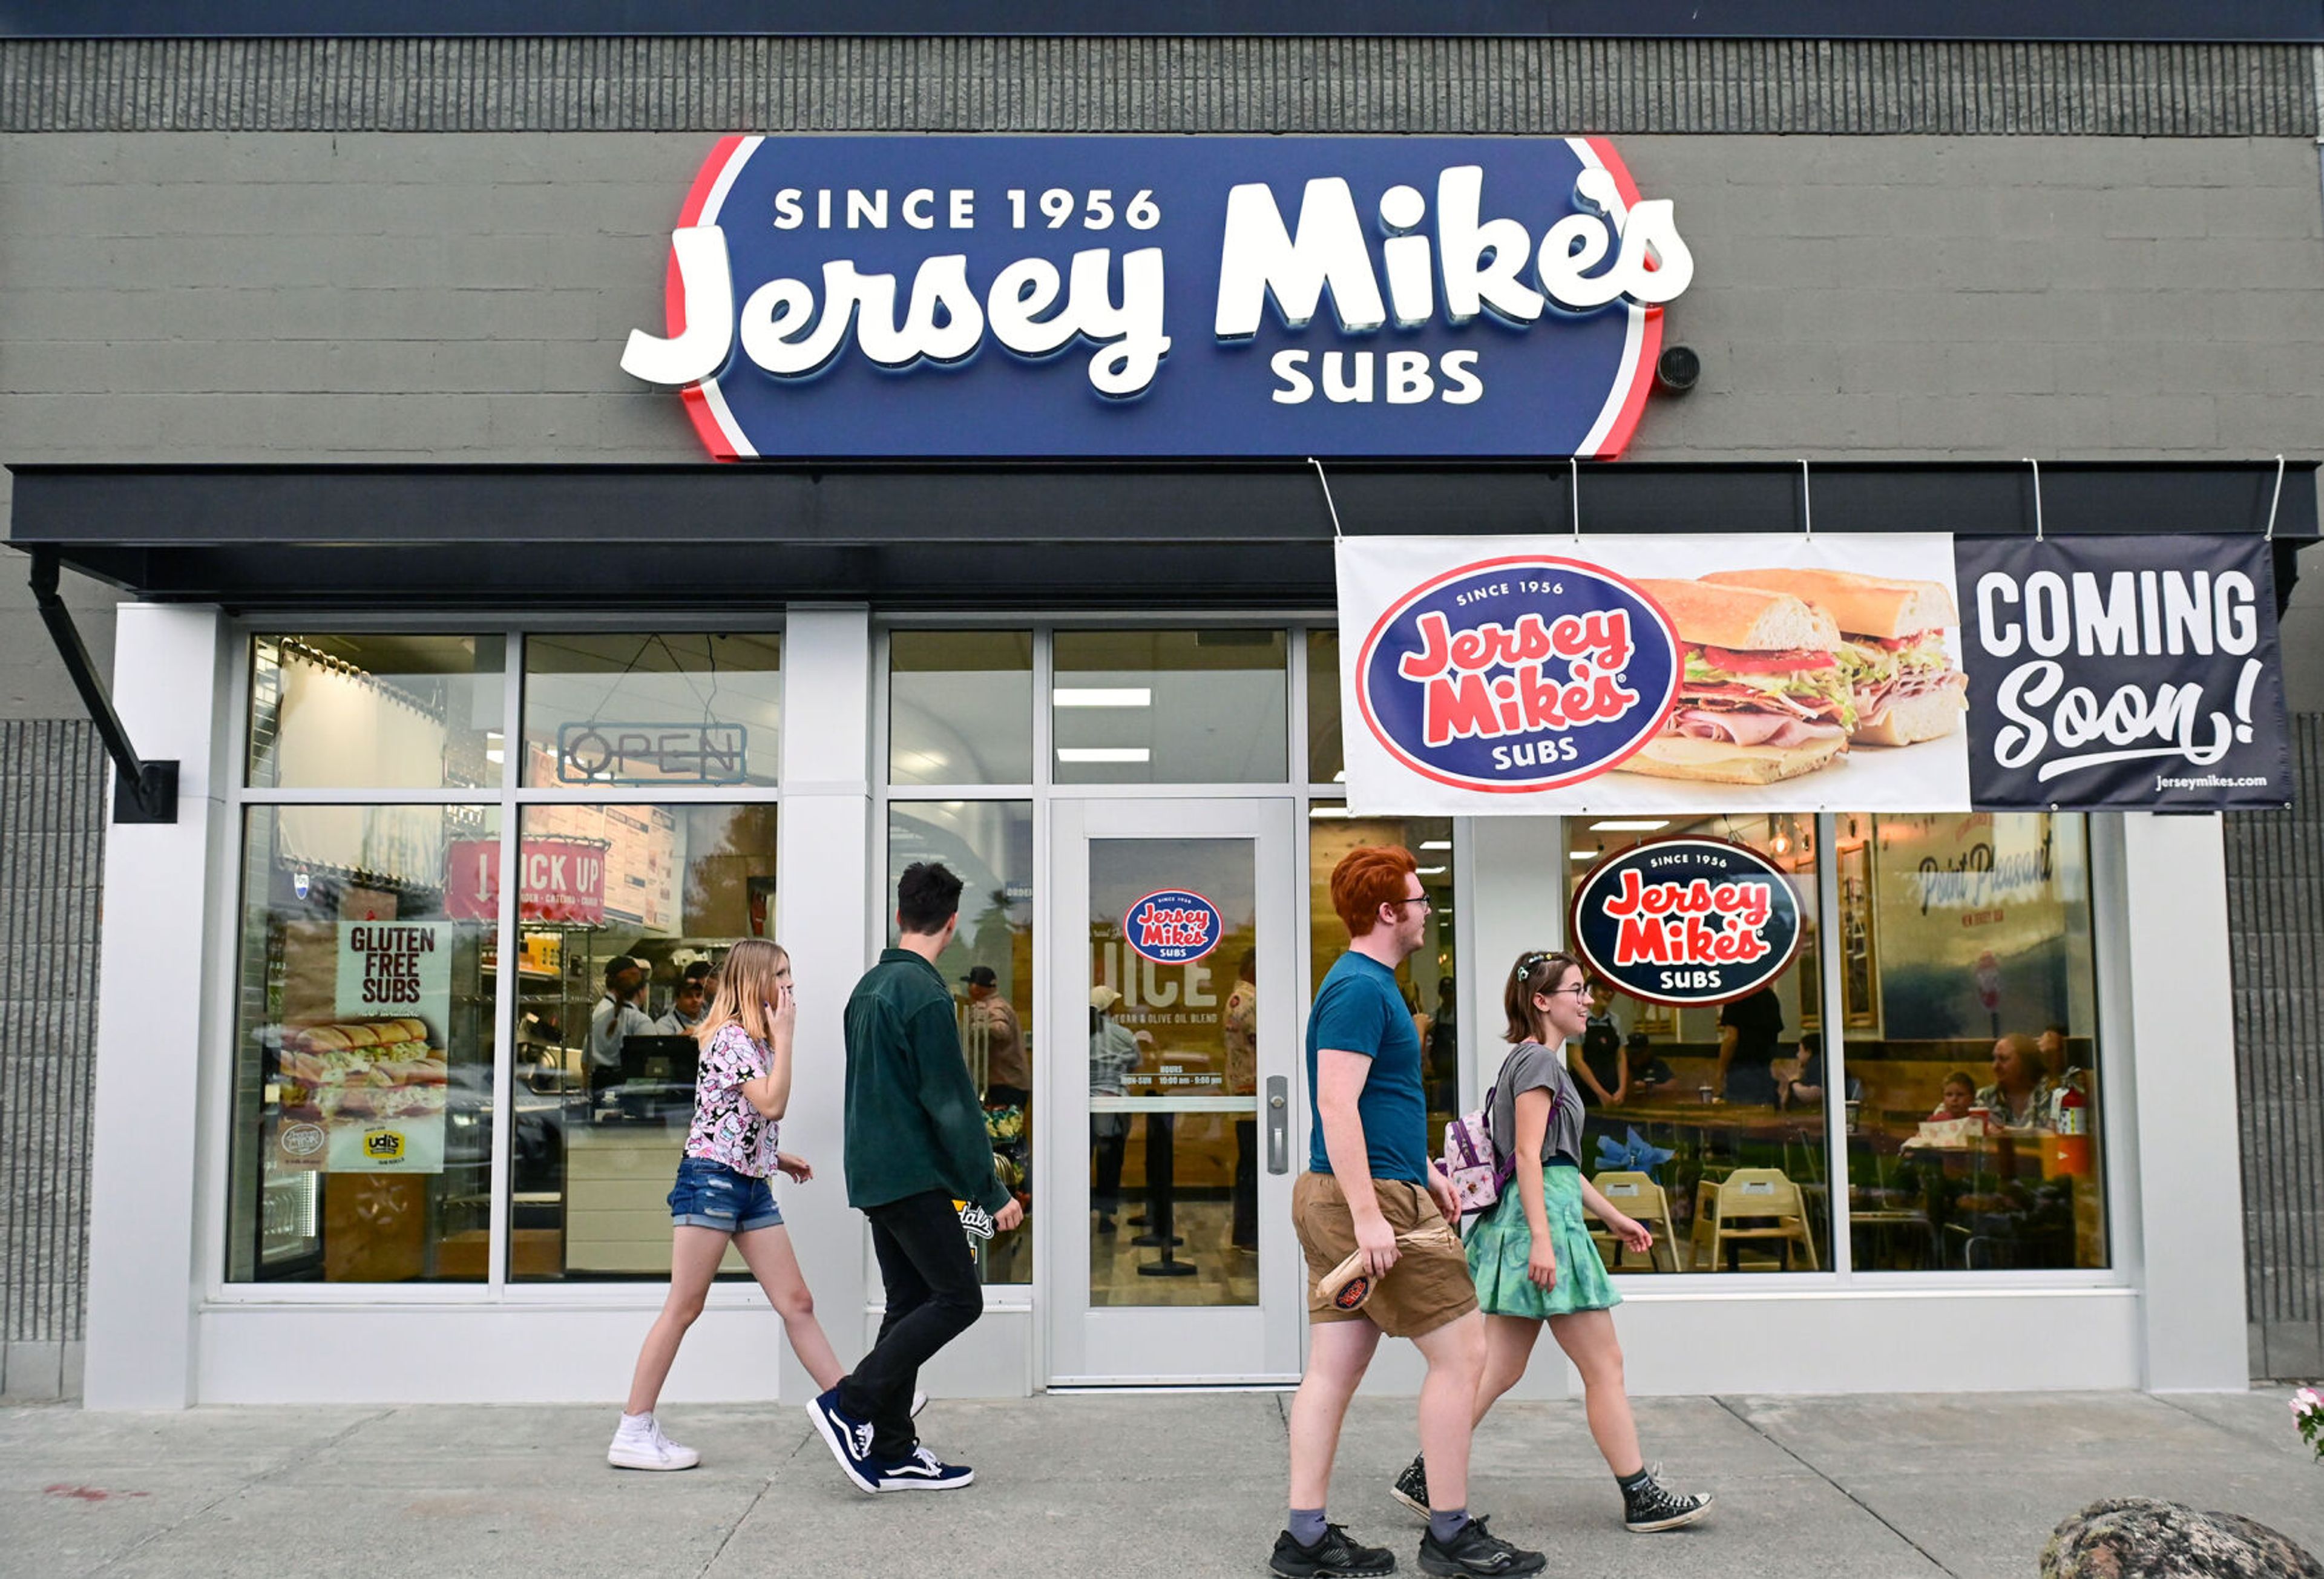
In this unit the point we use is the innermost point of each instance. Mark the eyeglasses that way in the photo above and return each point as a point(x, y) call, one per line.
point(1578, 989)
point(1417, 899)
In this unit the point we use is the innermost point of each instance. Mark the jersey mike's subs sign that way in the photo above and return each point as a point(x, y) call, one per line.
point(1686, 921)
point(1668, 673)
point(1164, 296)
point(1859, 672)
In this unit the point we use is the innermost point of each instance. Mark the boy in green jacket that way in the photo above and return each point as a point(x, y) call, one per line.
point(916, 1144)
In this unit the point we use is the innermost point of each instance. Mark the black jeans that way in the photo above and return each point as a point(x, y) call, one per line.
point(933, 1297)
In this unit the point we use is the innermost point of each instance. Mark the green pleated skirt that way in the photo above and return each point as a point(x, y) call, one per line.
point(1501, 1244)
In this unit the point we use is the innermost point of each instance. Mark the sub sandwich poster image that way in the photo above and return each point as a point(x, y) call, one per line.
point(365, 1092)
point(2125, 673)
point(1483, 676)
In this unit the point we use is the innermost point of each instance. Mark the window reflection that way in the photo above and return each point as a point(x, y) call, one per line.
point(375, 712)
point(363, 1060)
point(1170, 707)
point(989, 845)
point(960, 707)
point(623, 914)
point(680, 709)
point(1971, 1012)
point(1427, 979)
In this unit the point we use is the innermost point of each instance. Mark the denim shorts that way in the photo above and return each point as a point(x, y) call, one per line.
point(710, 1194)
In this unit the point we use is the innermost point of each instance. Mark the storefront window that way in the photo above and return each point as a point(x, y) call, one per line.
point(375, 712)
point(1692, 1107)
point(989, 845)
point(1170, 707)
point(365, 990)
point(1428, 979)
point(623, 915)
point(1325, 762)
point(687, 709)
point(960, 707)
point(1969, 1003)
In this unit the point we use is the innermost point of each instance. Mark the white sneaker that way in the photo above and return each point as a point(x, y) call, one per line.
point(643, 1446)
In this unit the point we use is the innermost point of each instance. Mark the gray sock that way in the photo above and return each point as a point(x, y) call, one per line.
point(1444, 1523)
point(1632, 1484)
point(1307, 1525)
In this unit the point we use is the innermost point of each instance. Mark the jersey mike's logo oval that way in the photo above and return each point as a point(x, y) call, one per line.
point(1519, 674)
point(1687, 920)
point(1173, 926)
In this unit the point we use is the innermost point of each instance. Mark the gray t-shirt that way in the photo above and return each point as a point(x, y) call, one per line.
point(1531, 1066)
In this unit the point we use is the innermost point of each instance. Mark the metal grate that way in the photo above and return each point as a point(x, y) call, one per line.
point(52, 800)
point(2276, 917)
point(1485, 85)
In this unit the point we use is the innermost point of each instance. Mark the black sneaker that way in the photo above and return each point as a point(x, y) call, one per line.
point(1411, 1487)
point(1477, 1550)
point(1650, 1506)
point(1333, 1555)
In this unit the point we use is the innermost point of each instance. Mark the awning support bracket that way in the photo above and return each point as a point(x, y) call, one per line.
point(142, 791)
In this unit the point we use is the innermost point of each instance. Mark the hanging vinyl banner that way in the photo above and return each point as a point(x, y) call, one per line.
point(1686, 921)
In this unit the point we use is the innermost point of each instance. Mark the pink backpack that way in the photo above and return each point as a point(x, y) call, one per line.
point(1474, 1163)
point(1473, 1160)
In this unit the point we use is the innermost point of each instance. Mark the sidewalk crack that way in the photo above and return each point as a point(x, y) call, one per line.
point(733, 1530)
point(1878, 1517)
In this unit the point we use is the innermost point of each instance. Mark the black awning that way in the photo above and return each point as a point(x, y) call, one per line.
point(1194, 535)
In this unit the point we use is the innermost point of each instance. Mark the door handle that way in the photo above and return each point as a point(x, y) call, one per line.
point(1279, 1124)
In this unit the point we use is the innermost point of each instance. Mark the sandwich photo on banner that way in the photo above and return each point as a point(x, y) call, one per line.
point(1677, 673)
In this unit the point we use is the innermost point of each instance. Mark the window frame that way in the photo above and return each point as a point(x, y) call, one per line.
point(215, 1158)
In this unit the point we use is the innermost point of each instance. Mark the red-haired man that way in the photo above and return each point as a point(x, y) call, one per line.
point(1369, 1179)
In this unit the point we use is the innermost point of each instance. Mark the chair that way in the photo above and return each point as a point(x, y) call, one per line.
point(1767, 1199)
point(1639, 1195)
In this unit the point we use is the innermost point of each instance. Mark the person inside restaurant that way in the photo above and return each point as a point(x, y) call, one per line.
point(619, 1015)
point(1748, 1030)
point(1602, 1066)
point(688, 1002)
point(1958, 1096)
point(2022, 1095)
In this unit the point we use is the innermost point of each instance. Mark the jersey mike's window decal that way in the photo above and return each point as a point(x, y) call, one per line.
point(1138, 296)
point(1686, 921)
point(1173, 926)
point(1517, 674)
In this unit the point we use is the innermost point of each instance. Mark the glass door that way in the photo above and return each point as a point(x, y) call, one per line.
point(1172, 1250)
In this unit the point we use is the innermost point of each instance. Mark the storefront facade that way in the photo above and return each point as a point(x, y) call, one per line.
point(482, 678)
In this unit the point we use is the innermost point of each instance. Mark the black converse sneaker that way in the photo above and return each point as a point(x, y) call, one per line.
point(1650, 1505)
point(1330, 1558)
point(1411, 1487)
point(1477, 1550)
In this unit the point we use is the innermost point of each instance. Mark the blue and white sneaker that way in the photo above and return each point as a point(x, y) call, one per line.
point(921, 1470)
point(849, 1439)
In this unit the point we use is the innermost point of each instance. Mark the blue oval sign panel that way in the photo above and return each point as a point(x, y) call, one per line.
point(1174, 926)
point(1686, 921)
point(1517, 674)
point(1180, 296)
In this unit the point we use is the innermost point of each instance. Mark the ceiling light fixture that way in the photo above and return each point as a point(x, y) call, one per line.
point(1103, 697)
point(1637, 824)
point(1104, 753)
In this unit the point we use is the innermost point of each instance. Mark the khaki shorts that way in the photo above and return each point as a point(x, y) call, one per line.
point(1427, 1286)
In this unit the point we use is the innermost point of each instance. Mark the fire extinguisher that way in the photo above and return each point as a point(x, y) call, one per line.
point(2073, 1133)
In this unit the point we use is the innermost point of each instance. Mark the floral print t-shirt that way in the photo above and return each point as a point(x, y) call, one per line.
point(726, 1128)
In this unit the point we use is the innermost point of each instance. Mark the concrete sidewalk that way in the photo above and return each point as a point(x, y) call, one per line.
point(1118, 1486)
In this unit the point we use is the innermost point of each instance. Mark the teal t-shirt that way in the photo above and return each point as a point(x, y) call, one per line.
point(1359, 1010)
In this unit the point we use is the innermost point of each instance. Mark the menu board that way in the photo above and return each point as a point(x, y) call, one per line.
point(641, 857)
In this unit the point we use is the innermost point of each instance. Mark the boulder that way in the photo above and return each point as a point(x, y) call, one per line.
point(2139, 1538)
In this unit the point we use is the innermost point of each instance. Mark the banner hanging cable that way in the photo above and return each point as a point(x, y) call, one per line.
point(1337, 535)
point(2274, 500)
point(2037, 496)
